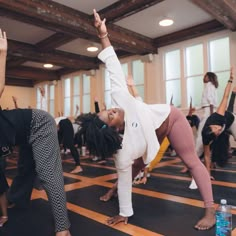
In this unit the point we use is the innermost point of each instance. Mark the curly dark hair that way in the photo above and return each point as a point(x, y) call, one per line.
point(207, 135)
point(219, 146)
point(100, 139)
point(193, 120)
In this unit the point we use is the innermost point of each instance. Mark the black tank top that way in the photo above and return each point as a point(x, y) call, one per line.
point(15, 126)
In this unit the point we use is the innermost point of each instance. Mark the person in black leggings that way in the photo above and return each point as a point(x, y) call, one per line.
point(37, 130)
point(66, 137)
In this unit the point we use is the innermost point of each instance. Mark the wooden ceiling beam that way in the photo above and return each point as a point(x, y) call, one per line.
point(222, 10)
point(193, 32)
point(124, 8)
point(19, 82)
point(69, 21)
point(54, 41)
point(29, 73)
point(64, 59)
point(12, 62)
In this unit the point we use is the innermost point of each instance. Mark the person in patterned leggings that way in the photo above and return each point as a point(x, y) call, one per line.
point(37, 129)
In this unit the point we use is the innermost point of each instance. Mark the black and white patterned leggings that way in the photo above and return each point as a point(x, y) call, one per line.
point(46, 154)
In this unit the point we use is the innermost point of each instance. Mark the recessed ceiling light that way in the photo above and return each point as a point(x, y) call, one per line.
point(48, 65)
point(166, 22)
point(92, 49)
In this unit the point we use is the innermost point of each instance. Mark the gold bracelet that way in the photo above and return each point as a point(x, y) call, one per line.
point(104, 36)
point(230, 81)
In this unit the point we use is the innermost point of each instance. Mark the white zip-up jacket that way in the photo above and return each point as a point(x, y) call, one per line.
point(141, 121)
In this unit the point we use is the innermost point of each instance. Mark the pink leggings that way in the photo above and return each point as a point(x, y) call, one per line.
point(181, 139)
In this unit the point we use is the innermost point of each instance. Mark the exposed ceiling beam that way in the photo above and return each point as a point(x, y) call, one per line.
point(12, 62)
point(54, 41)
point(60, 18)
point(193, 32)
point(29, 73)
point(124, 8)
point(19, 82)
point(222, 10)
point(64, 59)
point(64, 71)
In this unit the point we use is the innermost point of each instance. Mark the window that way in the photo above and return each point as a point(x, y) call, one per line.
point(172, 76)
point(76, 93)
point(42, 100)
point(51, 100)
point(138, 76)
point(67, 94)
point(184, 74)
point(86, 93)
point(194, 73)
point(219, 60)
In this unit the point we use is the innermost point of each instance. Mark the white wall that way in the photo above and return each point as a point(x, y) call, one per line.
point(25, 97)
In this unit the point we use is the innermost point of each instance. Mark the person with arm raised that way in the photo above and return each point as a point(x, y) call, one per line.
point(144, 124)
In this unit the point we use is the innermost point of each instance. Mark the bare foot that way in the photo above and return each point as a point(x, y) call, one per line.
point(140, 181)
point(208, 221)
point(3, 220)
point(110, 194)
point(76, 170)
point(102, 162)
point(63, 233)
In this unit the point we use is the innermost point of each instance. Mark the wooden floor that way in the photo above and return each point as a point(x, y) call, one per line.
point(164, 206)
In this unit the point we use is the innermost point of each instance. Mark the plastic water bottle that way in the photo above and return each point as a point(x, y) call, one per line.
point(223, 219)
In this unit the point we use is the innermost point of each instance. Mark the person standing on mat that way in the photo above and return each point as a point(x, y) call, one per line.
point(144, 124)
point(37, 129)
point(218, 127)
point(66, 137)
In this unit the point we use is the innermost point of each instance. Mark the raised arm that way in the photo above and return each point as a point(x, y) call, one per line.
point(76, 111)
point(96, 105)
point(101, 29)
point(3, 58)
point(223, 105)
point(191, 108)
point(231, 100)
point(111, 61)
point(131, 86)
point(15, 102)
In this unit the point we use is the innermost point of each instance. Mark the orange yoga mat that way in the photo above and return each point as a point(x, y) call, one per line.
point(164, 145)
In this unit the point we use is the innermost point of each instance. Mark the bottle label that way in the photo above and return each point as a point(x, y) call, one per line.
point(223, 224)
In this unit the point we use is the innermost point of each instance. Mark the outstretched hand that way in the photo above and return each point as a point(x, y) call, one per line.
point(99, 24)
point(117, 219)
point(3, 41)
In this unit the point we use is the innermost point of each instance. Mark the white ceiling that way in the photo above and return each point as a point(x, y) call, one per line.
point(184, 13)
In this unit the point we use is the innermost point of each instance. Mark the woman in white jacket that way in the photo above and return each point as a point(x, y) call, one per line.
point(142, 127)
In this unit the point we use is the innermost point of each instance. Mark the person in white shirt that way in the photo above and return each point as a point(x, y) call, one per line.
point(218, 127)
point(143, 127)
point(209, 104)
point(43, 100)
